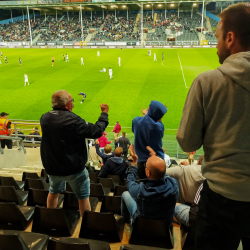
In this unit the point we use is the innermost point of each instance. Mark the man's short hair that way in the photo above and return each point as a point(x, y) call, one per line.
point(118, 152)
point(107, 149)
point(236, 18)
point(59, 99)
point(117, 122)
point(157, 173)
point(123, 134)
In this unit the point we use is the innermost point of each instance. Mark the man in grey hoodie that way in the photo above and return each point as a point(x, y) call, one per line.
point(217, 115)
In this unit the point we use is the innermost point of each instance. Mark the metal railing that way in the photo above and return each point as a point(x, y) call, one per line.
point(20, 146)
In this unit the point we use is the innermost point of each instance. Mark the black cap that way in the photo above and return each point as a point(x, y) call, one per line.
point(3, 114)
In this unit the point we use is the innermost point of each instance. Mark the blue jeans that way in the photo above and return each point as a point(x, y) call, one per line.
point(78, 182)
point(102, 150)
point(128, 207)
point(181, 214)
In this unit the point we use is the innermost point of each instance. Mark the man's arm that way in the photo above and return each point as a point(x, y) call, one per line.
point(191, 129)
point(132, 186)
point(174, 172)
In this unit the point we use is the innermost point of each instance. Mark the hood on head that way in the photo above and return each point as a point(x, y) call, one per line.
point(156, 110)
point(237, 67)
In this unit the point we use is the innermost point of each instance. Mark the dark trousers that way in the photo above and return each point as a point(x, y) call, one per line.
point(8, 143)
point(141, 170)
point(221, 223)
point(125, 155)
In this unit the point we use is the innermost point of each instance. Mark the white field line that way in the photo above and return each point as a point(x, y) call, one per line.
point(182, 71)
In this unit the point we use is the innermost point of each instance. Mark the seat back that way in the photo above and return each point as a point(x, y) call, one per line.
point(155, 233)
point(115, 178)
point(9, 181)
point(8, 194)
point(44, 173)
point(30, 176)
point(68, 188)
point(187, 237)
point(37, 197)
point(70, 201)
point(33, 183)
point(10, 213)
point(99, 226)
point(119, 190)
point(54, 221)
point(107, 183)
point(111, 204)
point(54, 244)
point(14, 242)
point(96, 190)
point(93, 177)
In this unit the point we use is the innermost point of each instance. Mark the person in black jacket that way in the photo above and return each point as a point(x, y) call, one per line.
point(63, 148)
point(114, 165)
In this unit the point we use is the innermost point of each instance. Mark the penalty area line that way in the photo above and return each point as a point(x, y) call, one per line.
point(182, 71)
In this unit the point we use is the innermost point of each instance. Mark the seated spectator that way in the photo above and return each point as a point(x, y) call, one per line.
point(167, 158)
point(93, 156)
point(189, 179)
point(115, 165)
point(20, 133)
point(107, 150)
point(103, 141)
point(124, 143)
point(35, 132)
point(155, 197)
point(185, 214)
point(149, 130)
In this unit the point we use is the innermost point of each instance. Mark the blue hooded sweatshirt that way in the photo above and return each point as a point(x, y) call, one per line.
point(149, 131)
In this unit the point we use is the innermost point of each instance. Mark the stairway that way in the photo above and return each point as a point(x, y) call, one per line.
point(136, 23)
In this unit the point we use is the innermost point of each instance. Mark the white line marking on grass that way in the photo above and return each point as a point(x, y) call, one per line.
point(167, 66)
point(182, 71)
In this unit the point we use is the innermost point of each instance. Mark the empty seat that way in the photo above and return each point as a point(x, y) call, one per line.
point(32, 176)
point(71, 202)
point(11, 182)
point(119, 190)
point(15, 217)
point(102, 226)
point(96, 190)
point(10, 194)
point(107, 183)
point(93, 177)
point(55, 221)
point(38, 197)
point(136, 247)
point(75, 244)
point(18, 240)
point(35, 184)
point(154, 233)
point(116, 179)
point(111, 204)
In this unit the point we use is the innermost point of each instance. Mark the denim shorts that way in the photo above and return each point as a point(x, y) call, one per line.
point(79, 183)
point(181, 213)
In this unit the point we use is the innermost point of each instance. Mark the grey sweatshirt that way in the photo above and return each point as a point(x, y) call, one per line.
point(217, 115)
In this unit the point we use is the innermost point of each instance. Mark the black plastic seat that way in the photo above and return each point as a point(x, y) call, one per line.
point(116, 179)
point(93, 176)
point(11, 182)
point(15, 217)
point(18, 240)
point(102, 226)
point(71, 202)
point(44, 174)
point(187, 237)
point(10, 194)
point(119, 190)
point(136, 247)
point(96, 190)
point(35, 184)
point(111, 204)
point(55, 221)
point(154, 233)
point(107, 183)
point(77, 244)
point(38, 197)
point(68, 188)
point(32, 176)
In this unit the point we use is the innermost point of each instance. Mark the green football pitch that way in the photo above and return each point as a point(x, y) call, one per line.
point(135, 83)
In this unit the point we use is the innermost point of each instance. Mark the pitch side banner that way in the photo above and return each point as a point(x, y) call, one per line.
point(40, 44)
point(10, 44)
point(51, 44)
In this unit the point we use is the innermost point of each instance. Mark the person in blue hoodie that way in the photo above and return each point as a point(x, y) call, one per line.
point(148, 131)
point(155, 197)
point(114, 165)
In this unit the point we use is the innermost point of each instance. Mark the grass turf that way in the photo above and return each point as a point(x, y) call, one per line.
point(138, 81)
